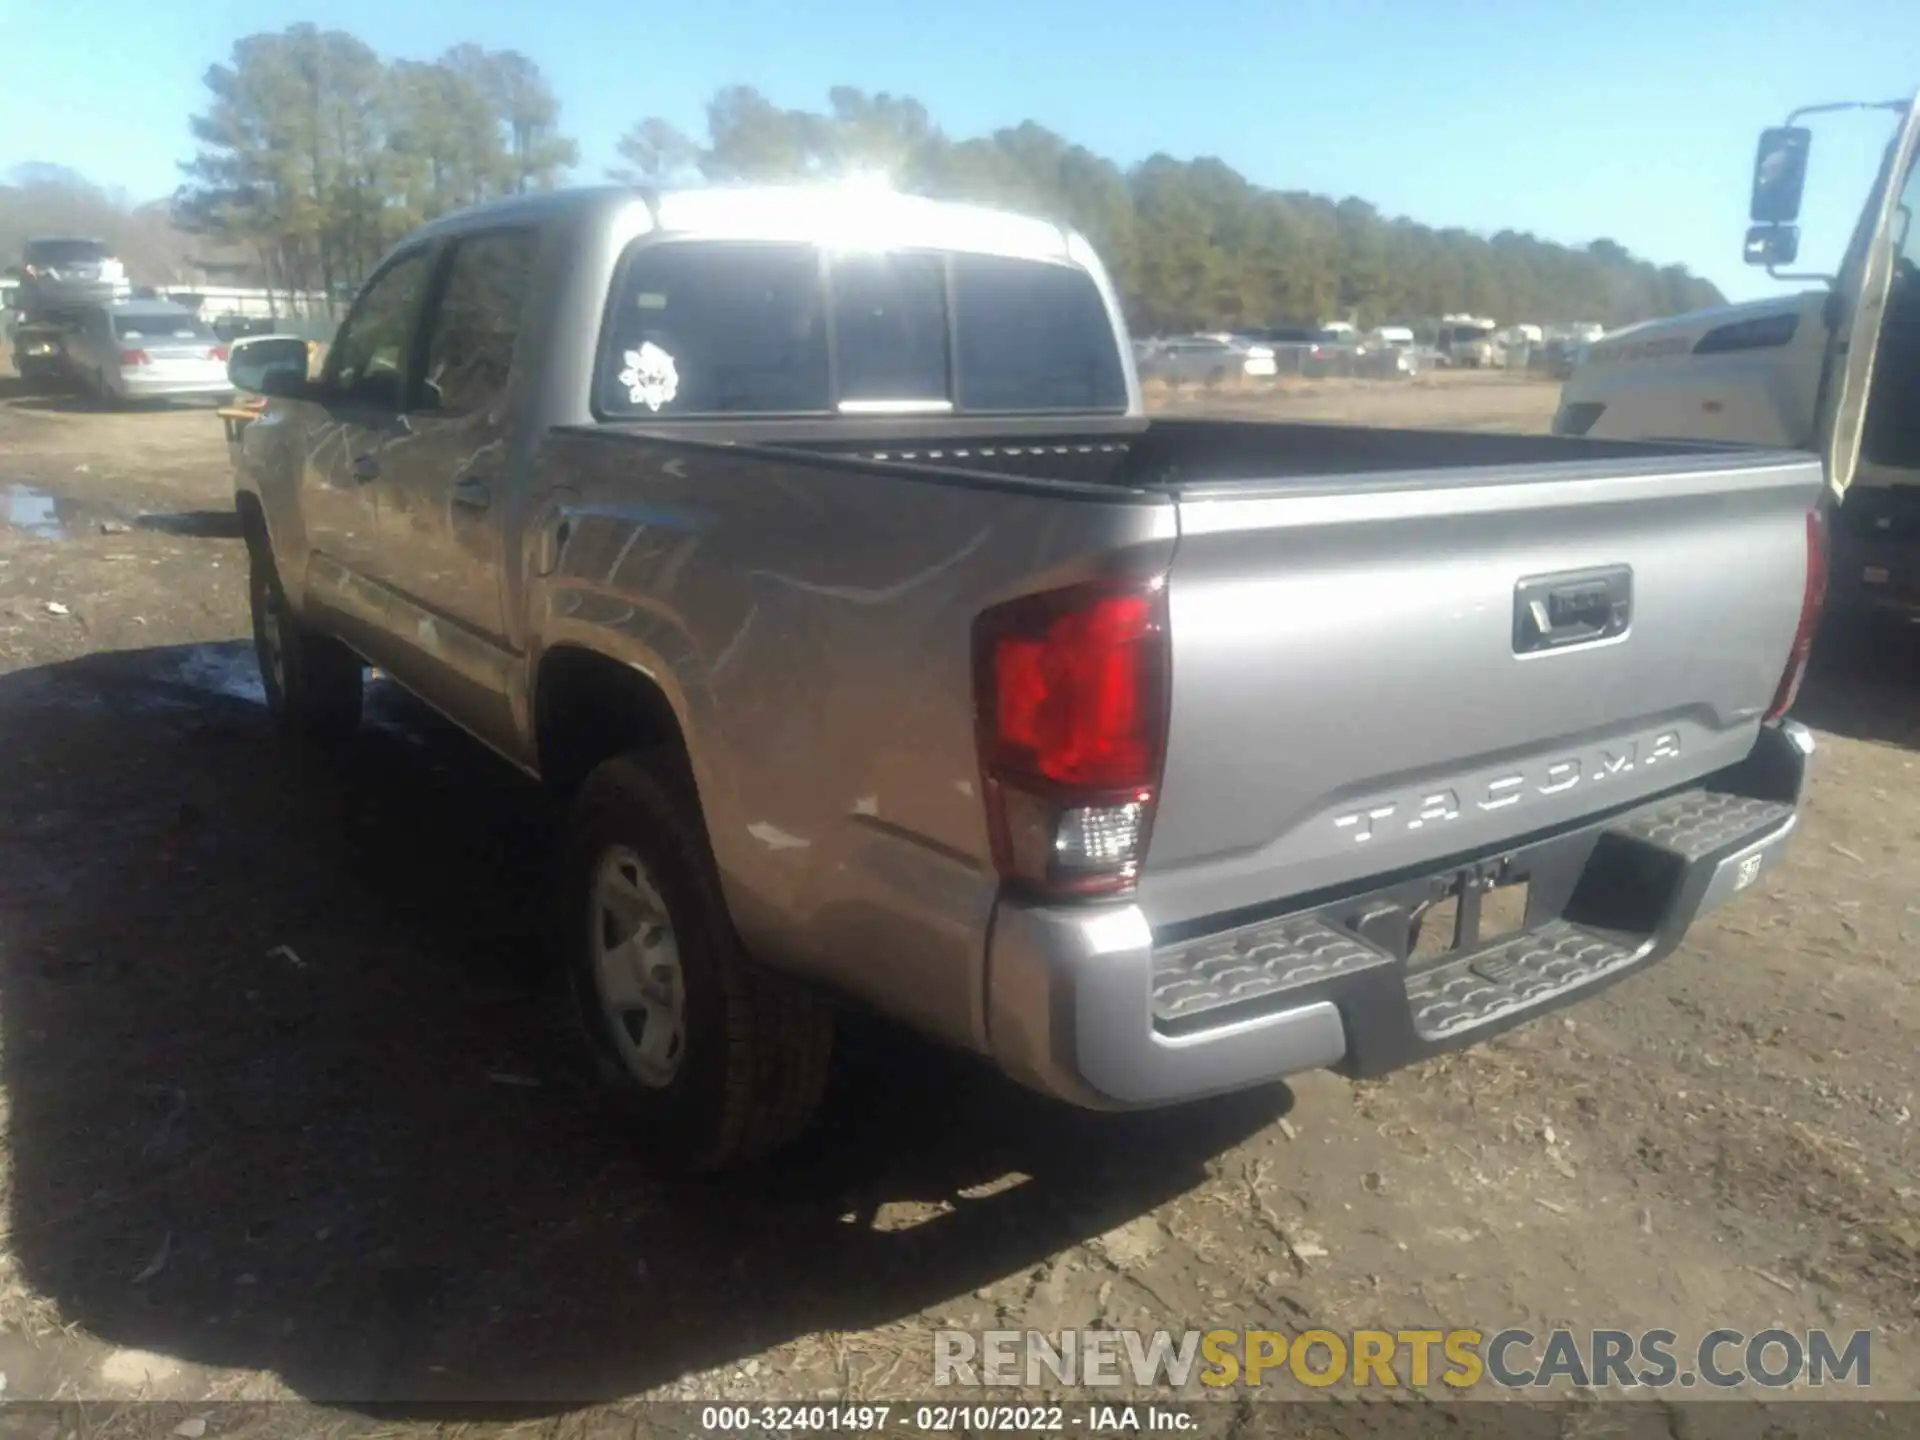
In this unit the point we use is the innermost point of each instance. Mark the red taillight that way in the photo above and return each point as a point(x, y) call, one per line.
point(1071, 690)
point(1811, 600)
point(218, 352)
point(134, 358)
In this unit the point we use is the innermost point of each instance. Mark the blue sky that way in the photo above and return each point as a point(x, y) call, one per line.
point(1634, 120)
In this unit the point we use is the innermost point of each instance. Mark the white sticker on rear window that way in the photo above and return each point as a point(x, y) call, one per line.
point(651, 377)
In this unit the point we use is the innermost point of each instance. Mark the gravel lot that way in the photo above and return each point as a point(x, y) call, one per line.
point(288, 1115)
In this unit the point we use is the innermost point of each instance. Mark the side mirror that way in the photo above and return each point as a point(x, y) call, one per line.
point(269, 365)
point(1779, 174)
point(1773, 245)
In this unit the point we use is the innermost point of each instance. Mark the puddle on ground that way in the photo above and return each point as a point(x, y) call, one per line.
point(229, 670)
point(31, 511)
point(166, 681)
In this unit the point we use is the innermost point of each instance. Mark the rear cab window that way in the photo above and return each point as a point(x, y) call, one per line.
point(714, 329)
point(890, 332)
point(1033, 336)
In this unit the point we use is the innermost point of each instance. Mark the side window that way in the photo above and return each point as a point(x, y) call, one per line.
point(368, 364)
point(705, 328)
point(1906, 235)
point(471, 332)
point(1033, 336)
point(890, 328)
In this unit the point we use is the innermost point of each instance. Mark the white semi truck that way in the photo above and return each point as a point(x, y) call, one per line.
point(1835, 369)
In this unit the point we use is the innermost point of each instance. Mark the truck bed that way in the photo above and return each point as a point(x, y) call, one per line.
point(1345, 607)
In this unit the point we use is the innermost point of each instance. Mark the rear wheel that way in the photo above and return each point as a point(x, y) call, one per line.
point(715, 1060)
point(313, 682)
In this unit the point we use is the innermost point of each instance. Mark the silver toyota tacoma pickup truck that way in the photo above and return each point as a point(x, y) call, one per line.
point(816, 544)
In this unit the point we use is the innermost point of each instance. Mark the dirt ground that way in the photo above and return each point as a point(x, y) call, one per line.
point(288, 1116)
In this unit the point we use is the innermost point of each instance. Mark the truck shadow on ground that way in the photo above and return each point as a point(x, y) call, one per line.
point(46, 396)
point(286, 1092)
point(1864, 682)
point(195, 524)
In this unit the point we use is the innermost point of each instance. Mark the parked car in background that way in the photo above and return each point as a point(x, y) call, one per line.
point(1284, 334)
point(62, 271)
point(1516, 345)
point(146, 350)
point(1333, 351)
point(239, 327)
point(1289, 344)
point(1559, 356)
point(1309, 349)
point(1388, 352)
point(1205, 359)
point(1563, 347)
point(1469, 343)
point(1385, 362)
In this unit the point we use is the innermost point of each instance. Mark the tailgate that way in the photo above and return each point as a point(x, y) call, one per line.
point(1362, 683)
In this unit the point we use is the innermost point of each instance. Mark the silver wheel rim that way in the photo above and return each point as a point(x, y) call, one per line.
point(636, 968)
point(272, 642)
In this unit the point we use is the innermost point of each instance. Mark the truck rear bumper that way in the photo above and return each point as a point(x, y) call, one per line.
point(1090, 1005)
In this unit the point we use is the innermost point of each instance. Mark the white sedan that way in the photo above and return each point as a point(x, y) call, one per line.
point(147, 350)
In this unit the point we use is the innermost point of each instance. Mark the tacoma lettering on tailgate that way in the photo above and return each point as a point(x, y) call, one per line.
point(1505, 788)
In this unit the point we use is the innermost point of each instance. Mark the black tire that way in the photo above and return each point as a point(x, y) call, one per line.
point(314, 684)
point(752, 1063)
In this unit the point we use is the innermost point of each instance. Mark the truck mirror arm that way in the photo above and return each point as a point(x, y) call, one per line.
point(1812, 275)
point(1899, 107)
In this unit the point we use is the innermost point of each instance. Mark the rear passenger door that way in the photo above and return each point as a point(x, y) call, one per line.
point(449, 506)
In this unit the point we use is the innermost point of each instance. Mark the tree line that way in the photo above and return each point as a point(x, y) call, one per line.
point(42, 199)
point(315, 155)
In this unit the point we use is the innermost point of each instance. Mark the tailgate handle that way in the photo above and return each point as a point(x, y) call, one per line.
point(1576, 607)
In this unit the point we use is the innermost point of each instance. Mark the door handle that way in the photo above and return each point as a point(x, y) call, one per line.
point(366, 467)
point(472, 494)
